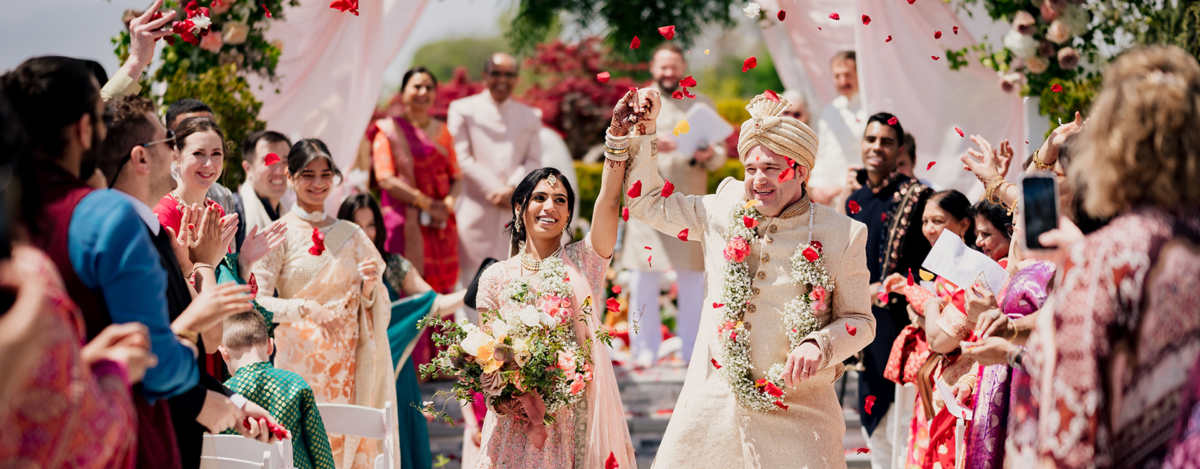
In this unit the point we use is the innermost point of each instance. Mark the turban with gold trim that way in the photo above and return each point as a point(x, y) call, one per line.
point(786, 136)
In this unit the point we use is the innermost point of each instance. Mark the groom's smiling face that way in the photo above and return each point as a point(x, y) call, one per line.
point(763, 170)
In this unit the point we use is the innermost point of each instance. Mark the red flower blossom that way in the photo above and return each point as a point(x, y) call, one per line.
point(687, 82)
point(253, 282)
point(611, 462)
point(787, 174)
point(714, 363)
point(668, 188)
point(271, 159)
point(345, 6)
point(771, 95)
point(677, 94)
point(625, 213)
point(811, 254)
point(866, 20)
point(635, 43)
point(778, 403)
point(318, 239)
point(853, 206)
point(616, 289)
point(937, 34)
point(184, 30)
point(817, 244)
point(930, 165)
point(737, 249)
point(612, 305)
point(893, 120)
point(868, 404)
point(749, 221)
point(1056, 88)
point(851, 329)
point(603, 77)
point(683, 235)
point(834, 16)
point(635, 189)
point(749, 63)
point(668, 32)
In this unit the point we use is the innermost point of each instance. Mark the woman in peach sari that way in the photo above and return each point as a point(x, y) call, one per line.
point(332, 307)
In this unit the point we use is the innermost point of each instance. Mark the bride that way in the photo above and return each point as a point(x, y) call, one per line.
point(593, 432)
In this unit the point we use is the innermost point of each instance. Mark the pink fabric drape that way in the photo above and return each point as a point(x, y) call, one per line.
point(331, 72)
point(901, 77)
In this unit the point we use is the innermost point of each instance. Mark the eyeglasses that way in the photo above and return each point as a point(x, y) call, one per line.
point(170, 141)
point(500, 74)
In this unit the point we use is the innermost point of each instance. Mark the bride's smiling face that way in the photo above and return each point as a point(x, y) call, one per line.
point(548, 211)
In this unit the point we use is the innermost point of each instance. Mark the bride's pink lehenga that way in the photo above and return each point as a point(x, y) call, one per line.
point(582, 435)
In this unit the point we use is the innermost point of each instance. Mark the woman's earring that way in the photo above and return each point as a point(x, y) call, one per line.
point(517, 223)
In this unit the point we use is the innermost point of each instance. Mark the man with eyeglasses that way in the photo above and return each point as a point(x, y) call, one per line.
point(496, 142)
point(839, 129)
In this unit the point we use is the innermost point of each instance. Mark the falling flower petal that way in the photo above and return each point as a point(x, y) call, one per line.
point(625, 213)
point(668, 32)
point(781, 15)
point(1056, 88)
point(603, 77)
point(771, 95)
point(687, 82)
point(714, 363)
point(611, 462)
point(683, 235)
point(647, 247)
point(635, 189)
point(271, 159)
point(345, 6)
point(267, 10)
point(866, 20)
point(930, 165)
point(955, 30)
point(253, 285)
point(853, 206)
point(937, 34)
point(716, 305)
point(834, 16)
point(910, 2)
point(893, 120)
point(865, 450)
point(787, 174)
point(749, 63)
point(889, 38)
point(668, 188)
point(934, 57)
point(649, 261)
point(960, 132)
point(851, 329)
point(818, 28)
point(681, 128)
point(868, 404)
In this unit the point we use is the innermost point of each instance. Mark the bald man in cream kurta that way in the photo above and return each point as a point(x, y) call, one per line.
point(496, 145)
point(708, 428)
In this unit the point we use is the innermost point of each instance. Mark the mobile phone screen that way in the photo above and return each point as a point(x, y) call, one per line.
point(1041, 208)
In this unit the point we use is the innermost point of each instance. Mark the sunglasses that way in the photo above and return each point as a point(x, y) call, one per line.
point(170, 141)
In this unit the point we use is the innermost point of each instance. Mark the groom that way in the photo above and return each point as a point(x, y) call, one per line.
point(785, 304)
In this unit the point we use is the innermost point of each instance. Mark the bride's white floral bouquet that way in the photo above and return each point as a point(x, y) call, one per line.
point(524, 358)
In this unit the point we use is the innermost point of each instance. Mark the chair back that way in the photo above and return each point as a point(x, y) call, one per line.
point(214, 462)
point(367, 422)
point(248, 449)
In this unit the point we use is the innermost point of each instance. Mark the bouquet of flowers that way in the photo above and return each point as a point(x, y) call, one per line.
point(524, 359)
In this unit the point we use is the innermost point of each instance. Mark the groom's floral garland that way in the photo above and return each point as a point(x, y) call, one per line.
point(808, 272)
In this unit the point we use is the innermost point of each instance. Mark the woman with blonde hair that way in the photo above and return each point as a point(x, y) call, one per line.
point(1110, 357)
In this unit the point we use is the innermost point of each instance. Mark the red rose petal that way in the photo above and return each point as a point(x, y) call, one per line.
point(271, 159)
point(893, 120)
point(910, 2)
point(668, 32)
point(937, 34)
point(687, 93)
point(889, 38)
point(1056, 88)
point(682, 235)
point(934, 57)
point(612, 305)
point(787, 174)
point(883, 217)
point(781, 15)
point(611, 462)
point(851, 329)
point(955, 30)
point(668, 188)
point(960, 132)
point(267, 10)
point(882, 297)
point(909, 279)
point(749, 63)
point(866, 20)
point(780, 404)
point(344, 6)
point(870, 402)
point(635, 43)
point(865, 450)
point(714, 363)
point(647, 248)
point(834, 16)
point(603, 77)
point(818, 28)
point(253, 285)
point(853, 206)
point(625, 213)
point(749, 221)
point(718, 305)
point(771, 95)
point(650, 261)
point(635, 189)
point(687, 82)
point(677, 94)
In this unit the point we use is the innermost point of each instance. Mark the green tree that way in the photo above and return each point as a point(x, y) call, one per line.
point(442, 57)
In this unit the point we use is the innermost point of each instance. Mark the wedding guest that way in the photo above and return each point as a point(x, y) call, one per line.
point(188, 108)
point(323, 287)
point(246, 349)
point(840, 128)
point(96, 238)
point(496, 143)
point(993, 229)
point(799, 107)
point(200, 158)
point(689, 174)
point(891, 205)
point(1111, 355)
point(260, 197)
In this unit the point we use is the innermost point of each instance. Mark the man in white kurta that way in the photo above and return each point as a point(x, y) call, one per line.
point(496, 142)
point(710, 428)
point(689, 174)
point(840, 129)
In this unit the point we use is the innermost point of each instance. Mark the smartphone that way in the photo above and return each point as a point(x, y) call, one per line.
point(1039, 207)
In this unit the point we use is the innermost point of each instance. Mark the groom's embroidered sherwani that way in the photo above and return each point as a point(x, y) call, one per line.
point(709, 429)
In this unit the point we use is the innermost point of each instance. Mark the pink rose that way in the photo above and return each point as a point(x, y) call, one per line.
point(1058, 33)
point(1037, 64)
point(1051, 8)
point(1068, 58)
point(737, 249)
point(211, 42)
point(818, 296)
point(566, 362)
point(1023, 22)
point(578, 384)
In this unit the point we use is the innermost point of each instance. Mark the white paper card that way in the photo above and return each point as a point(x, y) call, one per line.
point(707, 127)
point(952, 259)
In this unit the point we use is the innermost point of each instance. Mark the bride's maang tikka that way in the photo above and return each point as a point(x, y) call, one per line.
point(552, 180)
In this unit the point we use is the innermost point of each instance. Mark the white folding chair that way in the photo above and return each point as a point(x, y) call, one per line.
point(213, 462)
point(279, 454)
point(367, 422)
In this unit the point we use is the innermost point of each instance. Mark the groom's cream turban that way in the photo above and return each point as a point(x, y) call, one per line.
point(784, 135)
